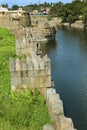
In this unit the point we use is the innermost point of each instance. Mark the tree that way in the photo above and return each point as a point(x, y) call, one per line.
point(15, 7)
point(5, 5)
point(56, 9)
point(72, 11)
point(85, 16)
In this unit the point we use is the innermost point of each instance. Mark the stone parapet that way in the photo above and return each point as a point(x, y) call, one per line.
point(55, 107)
point(48, 127)
point(30, 71)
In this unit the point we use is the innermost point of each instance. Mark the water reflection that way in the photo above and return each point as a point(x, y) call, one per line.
point(69, 72)
point(48, 47)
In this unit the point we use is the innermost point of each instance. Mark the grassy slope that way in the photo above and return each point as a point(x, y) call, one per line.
point(18, 111)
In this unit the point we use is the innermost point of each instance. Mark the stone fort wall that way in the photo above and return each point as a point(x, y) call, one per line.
point(29, 69)
point(14, 19)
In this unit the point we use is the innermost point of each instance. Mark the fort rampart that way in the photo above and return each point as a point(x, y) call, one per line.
point(29, 69)
point(13, 19)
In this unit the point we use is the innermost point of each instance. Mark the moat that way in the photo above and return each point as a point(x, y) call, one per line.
point(69, 72)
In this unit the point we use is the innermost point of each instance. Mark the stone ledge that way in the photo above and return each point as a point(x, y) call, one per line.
point(55, 108)
point(48, 127)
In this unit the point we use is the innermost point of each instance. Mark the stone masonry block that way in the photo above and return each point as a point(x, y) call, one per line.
point(18, 64)
point(66, 123)
point(48, 71)
point(47, 85)
point(26, 80)
point(23, 51)
point(15, 74)
point(52, 97)
point(12, 64)
point(37, 81)
point(47, 79)
point(48, 127)
point(17, 44)
point(23, 64)
point(48, 92)
point(40, 72)
point(16, 81)
point(31, 73)
point(57, 106)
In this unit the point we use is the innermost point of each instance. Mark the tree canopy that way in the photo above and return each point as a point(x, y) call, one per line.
point(70, 12)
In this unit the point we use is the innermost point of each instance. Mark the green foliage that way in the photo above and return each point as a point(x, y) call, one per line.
point(85, 15)
point(15, 7)
point(7, 48)
point(5, 5)
point(49, 18)
point(69, 12)
point(38, 7)
point(18, 56)
point(56, 9)
point(24, 110)
point(20, 110)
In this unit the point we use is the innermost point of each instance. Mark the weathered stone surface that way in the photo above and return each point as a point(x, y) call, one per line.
point(18, 65)
point(23, 64)
point(13, 88)
point(66, 123)
point(48, 127)
point(54, 103)
point(16, 81)
point(55, 107)
point(62, 123)
point(12, 65)
point(49, 92)
point(12, 19)
point(30, 67)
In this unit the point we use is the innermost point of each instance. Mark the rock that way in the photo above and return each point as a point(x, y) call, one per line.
point(49, 91)
point(66, 123)
point(48, 127)
point(57, 106)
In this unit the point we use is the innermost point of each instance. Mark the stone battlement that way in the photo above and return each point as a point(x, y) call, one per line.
point(31, 71)
point(56, 111)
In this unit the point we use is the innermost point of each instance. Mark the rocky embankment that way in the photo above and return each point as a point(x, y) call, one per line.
point(78, 24)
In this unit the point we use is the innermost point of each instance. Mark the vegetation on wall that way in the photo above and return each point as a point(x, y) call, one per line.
point(20, 110)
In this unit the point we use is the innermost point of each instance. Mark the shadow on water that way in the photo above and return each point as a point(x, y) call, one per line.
point(48, 47)
point(69, 71)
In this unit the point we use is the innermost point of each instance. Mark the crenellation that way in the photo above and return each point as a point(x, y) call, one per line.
point(56, 111)
point(23, 64)
point(18, 64)
point(32, 71)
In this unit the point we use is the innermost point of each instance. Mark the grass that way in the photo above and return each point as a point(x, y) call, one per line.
point(20, 110)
